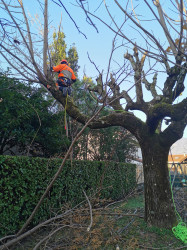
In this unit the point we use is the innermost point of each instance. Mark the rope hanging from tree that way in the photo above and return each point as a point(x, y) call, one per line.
point(180, 231)
point(65, 117)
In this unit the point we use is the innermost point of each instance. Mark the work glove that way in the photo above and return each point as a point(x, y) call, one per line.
point(51, 69)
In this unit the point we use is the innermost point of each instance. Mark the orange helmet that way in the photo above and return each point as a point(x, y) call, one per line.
point(64, 62)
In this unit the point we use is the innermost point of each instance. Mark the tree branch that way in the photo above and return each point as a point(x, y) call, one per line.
point(163, 25)
point(45, 43)
point(151, 86)
point(28, 30)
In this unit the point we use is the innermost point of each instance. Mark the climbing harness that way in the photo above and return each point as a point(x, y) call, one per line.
point(63, 81)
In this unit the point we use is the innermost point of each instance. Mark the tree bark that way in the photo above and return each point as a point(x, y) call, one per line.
point(159, 207)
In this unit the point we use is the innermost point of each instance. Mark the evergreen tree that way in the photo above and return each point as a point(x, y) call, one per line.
point(58, 48)
point(73, 59)
point(58, 51)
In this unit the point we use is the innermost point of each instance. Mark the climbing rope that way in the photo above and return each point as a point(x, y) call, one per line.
point(180, 231)
point(65, 120)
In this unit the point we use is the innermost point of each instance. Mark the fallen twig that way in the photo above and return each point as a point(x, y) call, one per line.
point(31, 231)
point(48, 236)
point(91, 217)
point(124, 228)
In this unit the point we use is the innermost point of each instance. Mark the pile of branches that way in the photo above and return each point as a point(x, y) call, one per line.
point(74, 227)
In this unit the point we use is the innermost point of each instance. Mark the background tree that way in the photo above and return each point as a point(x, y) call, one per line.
point(28, 124)
point(73, 59)
point(112, 143)
point(145, 58)
point(58, 51)
point(98, 144)
point(58, 48)
point(109, 144)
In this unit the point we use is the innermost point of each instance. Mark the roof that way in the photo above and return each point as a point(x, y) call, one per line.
point(176, 158)
point(179, 147)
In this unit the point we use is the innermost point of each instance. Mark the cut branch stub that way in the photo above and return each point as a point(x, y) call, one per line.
point(151, 86)
point(137, 66)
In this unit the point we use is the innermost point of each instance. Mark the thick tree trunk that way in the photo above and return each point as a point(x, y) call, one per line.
point(159, 208)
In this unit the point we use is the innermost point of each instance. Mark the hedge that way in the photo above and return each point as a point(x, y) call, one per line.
point(24, 179)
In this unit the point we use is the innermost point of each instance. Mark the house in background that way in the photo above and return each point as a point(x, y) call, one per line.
point(177, 158)
point(178, 163)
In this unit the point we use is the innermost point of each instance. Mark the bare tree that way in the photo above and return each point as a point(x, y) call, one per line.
point(165, 55)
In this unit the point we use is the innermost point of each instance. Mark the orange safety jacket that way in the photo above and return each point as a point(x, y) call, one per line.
point(65, 71)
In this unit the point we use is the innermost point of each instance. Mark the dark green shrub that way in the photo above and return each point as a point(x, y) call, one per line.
point(24, 179)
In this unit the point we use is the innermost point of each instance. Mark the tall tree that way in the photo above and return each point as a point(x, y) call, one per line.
point(58, 50)
point(28, 126)
point(150, 53)
point(73, 58)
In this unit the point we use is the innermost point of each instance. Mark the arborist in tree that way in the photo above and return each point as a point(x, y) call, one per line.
point(65, 78)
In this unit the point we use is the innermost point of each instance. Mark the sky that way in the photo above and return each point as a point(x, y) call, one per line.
point(98, 43)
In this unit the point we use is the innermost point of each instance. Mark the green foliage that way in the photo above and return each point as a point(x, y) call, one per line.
point(113, 143)
point(58, 51)
point(82, 98)
point(24, 179)
point(58, 48)
point(73, 58)
point(27, 121)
